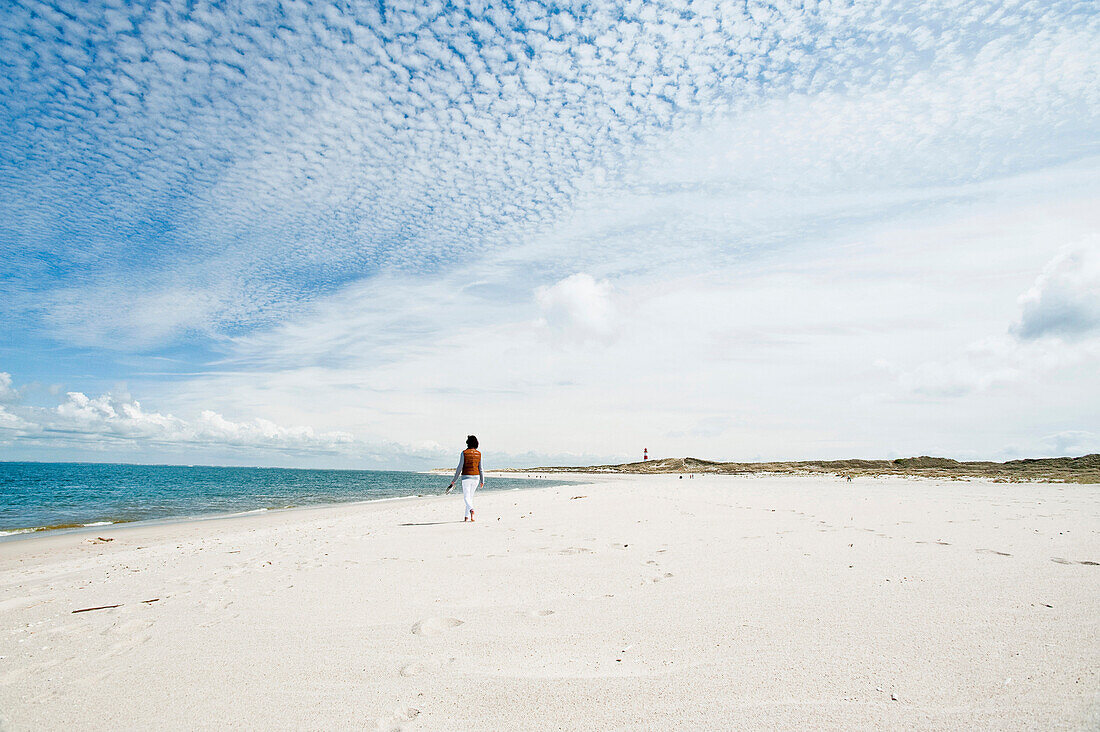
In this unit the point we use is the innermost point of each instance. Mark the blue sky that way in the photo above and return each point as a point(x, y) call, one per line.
point(349, 234)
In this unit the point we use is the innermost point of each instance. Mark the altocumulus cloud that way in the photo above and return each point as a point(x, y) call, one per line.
point(254, 156)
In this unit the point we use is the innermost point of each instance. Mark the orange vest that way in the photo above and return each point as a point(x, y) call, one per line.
point(471, 462)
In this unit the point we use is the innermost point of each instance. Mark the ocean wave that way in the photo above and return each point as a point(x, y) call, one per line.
point(53, 527)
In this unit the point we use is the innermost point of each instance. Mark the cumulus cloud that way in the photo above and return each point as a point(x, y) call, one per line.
point(1073, 442)
point(981, 366)
point(113, 419)
point(213, 427)
point(119, 426)
point(992, 362)
point(7, 391)
point(1059, 317)
point(11, 423)
point(579, 307)
point(1065, 299)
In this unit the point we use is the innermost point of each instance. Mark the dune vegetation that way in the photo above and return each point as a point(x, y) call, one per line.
point(1085, 469)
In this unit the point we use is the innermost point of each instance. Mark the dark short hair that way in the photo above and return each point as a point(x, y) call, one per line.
point(471, 442)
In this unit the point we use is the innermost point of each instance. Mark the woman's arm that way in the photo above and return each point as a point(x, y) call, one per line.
point(458, 471)
point(481, 474)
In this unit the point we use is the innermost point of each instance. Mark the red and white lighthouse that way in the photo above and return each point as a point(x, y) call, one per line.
point(645, 453)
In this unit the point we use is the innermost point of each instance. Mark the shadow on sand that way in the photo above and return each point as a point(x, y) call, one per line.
point(432, 523)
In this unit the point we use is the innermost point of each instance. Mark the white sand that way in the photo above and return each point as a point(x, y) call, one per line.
point(650, 603)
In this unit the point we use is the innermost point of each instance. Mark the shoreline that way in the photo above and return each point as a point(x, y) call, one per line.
point(561, 479)
point(580, 475)
point(240, 519)
point(22, 533)
point(99, 526)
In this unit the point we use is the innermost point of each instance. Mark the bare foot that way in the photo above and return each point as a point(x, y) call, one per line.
point(471, 516)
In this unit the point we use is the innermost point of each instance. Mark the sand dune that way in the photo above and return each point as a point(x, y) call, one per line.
point(1084, 469)
point(633, 602)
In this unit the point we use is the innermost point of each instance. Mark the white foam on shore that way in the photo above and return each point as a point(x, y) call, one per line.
point(37, 529)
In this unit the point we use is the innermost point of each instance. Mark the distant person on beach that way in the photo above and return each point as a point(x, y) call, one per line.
point(469, 469)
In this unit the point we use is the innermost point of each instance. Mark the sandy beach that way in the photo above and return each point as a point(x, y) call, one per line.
point(640, 602)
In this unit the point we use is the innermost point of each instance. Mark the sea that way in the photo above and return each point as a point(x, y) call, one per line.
point(36, 497)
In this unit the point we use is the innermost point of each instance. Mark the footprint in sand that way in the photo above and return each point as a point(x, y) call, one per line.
point(63, 631)
point(993, 551)
point(128, 636)
point(538, 613)
point(398, 720)
point(218, 612)
point(1060, 560)
point(420, 667)
point(575, 550)
point(434, 626)
point(128, 644)
point(21, 603)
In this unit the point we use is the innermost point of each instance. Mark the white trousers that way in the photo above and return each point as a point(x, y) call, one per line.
point(469, 485)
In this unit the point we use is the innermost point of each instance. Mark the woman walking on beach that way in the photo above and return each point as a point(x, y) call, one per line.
point(469, 468)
